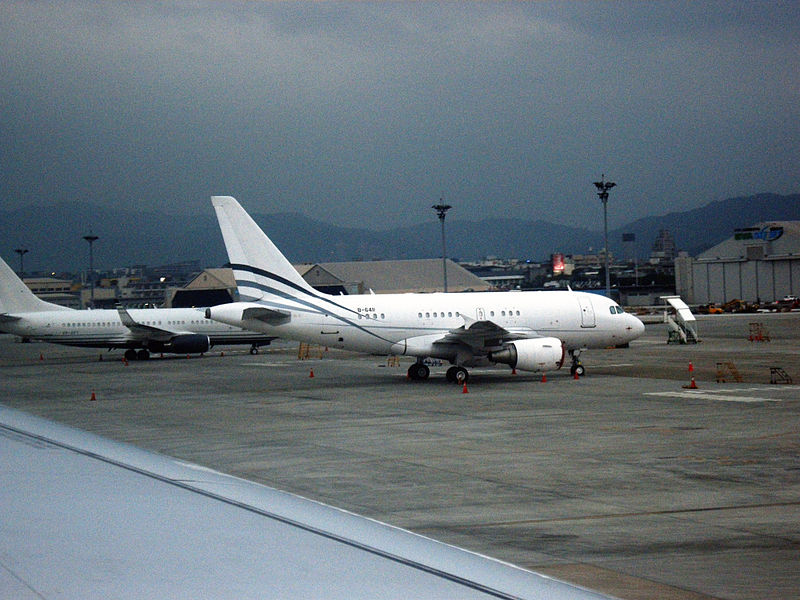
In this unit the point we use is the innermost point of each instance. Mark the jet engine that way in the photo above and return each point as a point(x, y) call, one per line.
point(190, 343)
point(539, 354)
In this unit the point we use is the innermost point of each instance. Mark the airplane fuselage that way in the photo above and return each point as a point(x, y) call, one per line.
point(402, 323)
point(103, 328)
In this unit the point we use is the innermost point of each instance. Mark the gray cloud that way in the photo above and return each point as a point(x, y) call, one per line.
point(364, 114)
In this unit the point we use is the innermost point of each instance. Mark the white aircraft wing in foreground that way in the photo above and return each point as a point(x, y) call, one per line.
point(86, 517)
point(530, 331)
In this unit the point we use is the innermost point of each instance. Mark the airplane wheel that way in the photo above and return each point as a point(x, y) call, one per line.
point(578, 370)
point(253, 350)
point(418, 371)
point(142, 354)
point(461, 375)
point(451, 374)
point(130, 355)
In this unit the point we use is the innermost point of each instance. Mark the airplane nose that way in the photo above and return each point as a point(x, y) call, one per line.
point(636, 326)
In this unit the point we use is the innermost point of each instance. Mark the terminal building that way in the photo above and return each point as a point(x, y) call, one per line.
point(757, 264)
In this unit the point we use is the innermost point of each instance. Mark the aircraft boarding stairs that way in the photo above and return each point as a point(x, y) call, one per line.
point(681, 323)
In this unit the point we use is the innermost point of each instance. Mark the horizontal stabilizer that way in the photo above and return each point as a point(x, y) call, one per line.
point(267, 315)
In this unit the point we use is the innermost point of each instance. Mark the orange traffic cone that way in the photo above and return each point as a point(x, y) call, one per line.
point(464, 390)
point(691, 367)
point(311, 374)
point(124, 361)
point(575, 375)
point(544, 378)
point(93, 398)
point(41, 357)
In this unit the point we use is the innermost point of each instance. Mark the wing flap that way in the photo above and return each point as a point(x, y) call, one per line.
point(480, 335)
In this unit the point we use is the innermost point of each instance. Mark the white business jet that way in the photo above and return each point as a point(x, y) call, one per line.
point(530, 331)
point(140, 331)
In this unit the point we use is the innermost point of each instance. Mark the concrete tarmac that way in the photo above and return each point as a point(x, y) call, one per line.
point(624, 481)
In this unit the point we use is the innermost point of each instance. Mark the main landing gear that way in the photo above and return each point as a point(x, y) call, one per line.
point(419, 371)
point(457, 375)
point(141, 354)
point(577, 367)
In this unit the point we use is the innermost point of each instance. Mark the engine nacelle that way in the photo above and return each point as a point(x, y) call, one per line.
point(190, 343)
point(539, 354)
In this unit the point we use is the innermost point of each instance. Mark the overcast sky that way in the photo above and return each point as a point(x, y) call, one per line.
point(366, 114)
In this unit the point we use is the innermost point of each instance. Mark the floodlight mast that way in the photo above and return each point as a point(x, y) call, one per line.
point(22, 252)
point(441, 210)
point(91, 239)
point(603, 186)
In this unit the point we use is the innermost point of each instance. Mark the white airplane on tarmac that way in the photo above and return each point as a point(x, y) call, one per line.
point(140, 331)
point(530, 331)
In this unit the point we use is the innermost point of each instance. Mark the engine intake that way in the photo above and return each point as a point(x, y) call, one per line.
point(540, 354)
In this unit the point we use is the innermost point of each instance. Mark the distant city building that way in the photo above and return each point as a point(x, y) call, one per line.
point(57, 291)
point(663, 252)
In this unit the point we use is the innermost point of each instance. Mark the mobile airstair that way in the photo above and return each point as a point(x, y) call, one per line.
point(681, 323)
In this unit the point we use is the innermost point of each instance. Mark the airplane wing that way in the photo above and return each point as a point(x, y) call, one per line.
point(480, 335)
point(6, 318)
point(86, 517)
point(142, 331)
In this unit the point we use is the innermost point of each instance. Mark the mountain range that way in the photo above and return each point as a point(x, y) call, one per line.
point(53, 235)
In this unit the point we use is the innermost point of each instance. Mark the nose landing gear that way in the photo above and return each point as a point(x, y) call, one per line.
point(577, 367)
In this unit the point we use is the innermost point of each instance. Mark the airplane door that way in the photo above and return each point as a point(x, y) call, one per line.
point(587, 311)
point(480, 315)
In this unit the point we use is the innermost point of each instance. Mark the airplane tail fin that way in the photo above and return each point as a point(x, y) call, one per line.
point(258, 265)
point(16, 297)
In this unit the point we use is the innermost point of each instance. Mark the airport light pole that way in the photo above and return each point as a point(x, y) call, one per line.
point(441, 210)
point(602, 191)
point(22, 252)
point(91, 239)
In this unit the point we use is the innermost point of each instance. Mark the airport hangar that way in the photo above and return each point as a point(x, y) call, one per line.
point(757, 264)
point(217, 286)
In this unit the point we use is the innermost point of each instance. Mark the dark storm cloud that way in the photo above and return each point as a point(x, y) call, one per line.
point(364, 114)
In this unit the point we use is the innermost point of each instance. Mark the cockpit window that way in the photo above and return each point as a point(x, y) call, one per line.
point(616, 310)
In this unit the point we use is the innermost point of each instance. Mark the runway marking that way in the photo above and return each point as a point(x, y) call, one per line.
point(700, 395)
point(270, 364)
point(627, 515)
